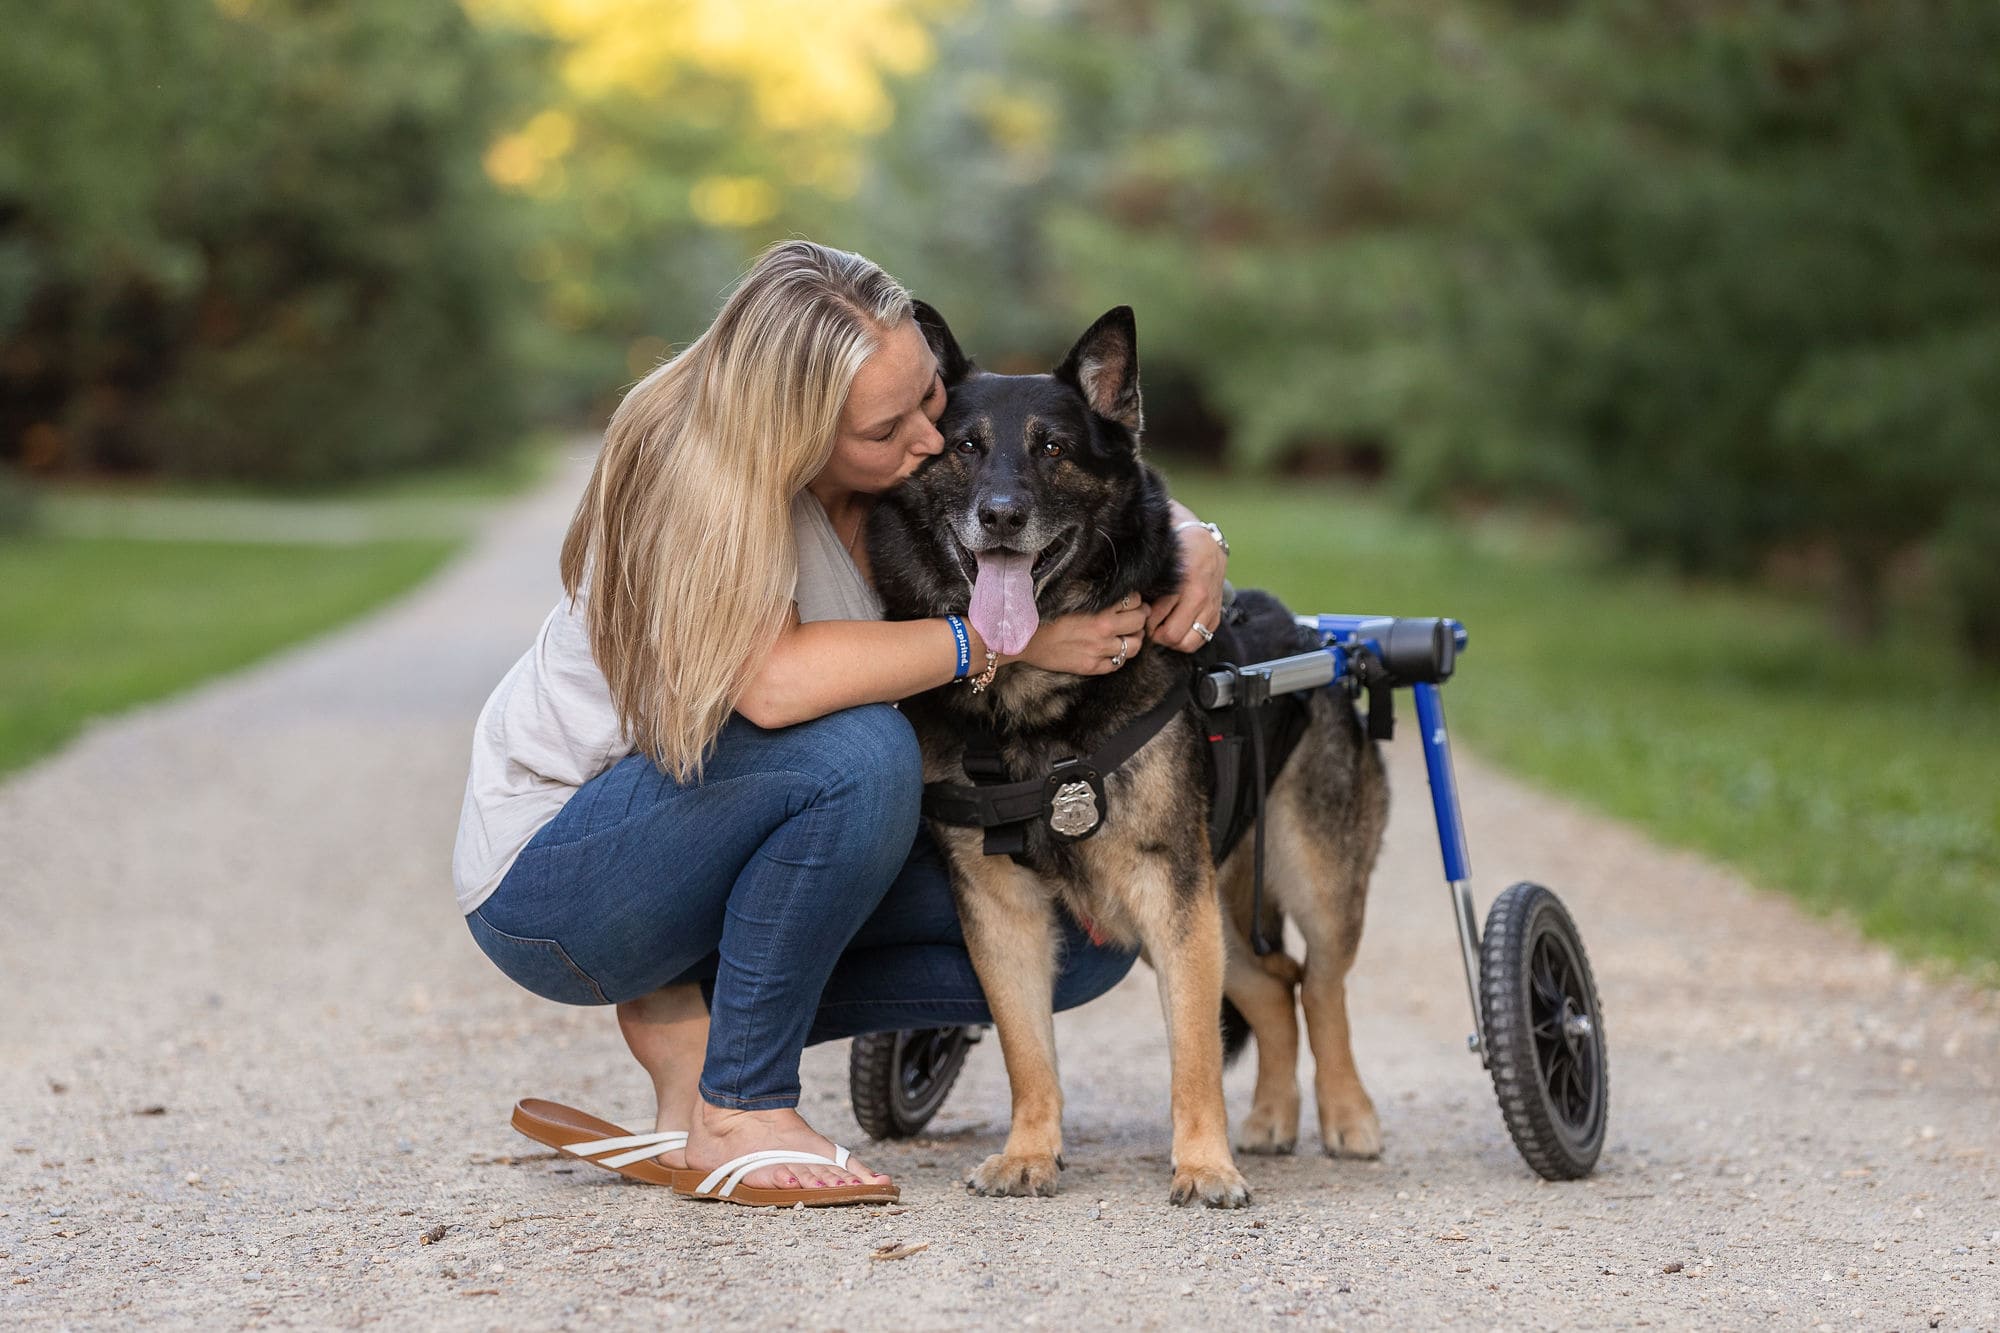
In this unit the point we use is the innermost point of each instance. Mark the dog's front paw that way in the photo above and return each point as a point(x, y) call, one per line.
point(1217, 1186)
point(1354, 1132)
point(1025, 1175)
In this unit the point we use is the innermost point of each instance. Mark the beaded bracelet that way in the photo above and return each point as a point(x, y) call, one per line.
point(985, 678)
point(964, 642)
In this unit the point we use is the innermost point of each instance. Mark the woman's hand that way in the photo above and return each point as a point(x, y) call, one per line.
point(1199, 598)
point(1088, 643)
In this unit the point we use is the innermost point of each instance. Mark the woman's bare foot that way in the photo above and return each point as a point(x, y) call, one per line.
point(720, 1134)
point(668, 1034)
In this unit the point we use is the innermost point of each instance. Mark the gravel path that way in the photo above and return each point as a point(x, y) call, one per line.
point(251, 1057)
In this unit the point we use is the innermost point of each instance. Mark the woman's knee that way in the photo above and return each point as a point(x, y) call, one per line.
point(867, 758)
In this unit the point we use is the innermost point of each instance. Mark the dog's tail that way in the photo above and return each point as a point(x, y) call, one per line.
point(1235, 1033)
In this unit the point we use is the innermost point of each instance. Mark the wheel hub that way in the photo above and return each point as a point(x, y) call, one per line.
point(1575, 1024)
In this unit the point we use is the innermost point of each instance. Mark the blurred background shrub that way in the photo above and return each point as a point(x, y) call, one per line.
point(1718, 278)
point(251, 240)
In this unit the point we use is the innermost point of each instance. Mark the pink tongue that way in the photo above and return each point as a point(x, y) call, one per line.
point(1003, 601)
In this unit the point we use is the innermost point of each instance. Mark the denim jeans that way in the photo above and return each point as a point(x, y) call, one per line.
point(793, 882)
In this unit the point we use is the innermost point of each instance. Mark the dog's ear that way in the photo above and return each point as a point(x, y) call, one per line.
point(952, 363)
point(1104, 368)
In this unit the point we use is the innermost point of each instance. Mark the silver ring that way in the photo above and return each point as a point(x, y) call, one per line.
point(1207, 634)
point(1122, 649)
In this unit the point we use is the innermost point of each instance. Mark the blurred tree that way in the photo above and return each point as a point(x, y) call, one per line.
point(1720, 275)
point(674, 140)
point(250, 239)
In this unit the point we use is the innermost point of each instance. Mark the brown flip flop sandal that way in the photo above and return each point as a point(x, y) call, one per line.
point(601, 1143)
point(604, 1144)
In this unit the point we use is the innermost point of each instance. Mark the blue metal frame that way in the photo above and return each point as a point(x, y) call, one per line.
point(1341, 634)
point(1444, 783)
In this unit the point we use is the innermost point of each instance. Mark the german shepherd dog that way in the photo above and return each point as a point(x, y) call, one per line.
point(1040, 506)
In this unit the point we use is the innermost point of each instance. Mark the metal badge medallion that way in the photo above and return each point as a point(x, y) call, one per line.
point(1073, 812)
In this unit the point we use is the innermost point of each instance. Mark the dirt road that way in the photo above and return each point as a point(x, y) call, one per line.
point(250, 1057)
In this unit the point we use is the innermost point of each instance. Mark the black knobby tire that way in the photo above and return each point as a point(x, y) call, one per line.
point(898, 1080)
point(1544, 1032)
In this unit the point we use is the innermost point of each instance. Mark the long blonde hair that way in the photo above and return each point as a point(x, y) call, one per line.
point(683, 537)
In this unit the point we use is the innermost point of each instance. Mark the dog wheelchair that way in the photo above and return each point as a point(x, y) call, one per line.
point(1537, 1025)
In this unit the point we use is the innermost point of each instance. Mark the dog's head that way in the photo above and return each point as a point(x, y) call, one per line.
point(1039, 501)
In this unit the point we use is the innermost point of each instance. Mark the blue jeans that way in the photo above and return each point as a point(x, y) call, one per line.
point(793, 882)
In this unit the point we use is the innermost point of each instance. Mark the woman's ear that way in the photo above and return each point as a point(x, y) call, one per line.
point(952, 363)
point(1104, 368)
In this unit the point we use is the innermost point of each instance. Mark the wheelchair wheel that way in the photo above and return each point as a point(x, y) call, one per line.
point(898, 1080)
point(1544, 1032)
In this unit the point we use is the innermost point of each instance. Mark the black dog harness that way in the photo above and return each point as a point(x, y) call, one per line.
point(1069, 797)
point(1248, 744)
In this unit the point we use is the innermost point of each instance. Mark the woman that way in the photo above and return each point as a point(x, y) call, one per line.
point(691, 797)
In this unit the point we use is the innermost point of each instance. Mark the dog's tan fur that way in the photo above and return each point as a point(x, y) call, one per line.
point(1323, 828)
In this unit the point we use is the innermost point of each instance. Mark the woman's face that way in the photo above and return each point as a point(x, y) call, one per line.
point(889, 424)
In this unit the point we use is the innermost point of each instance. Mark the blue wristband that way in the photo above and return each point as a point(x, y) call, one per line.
point(964, 642)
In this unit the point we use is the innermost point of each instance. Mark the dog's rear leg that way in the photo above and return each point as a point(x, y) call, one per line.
point(1009, 927)
point(1186, 952)
point(1266, 1004)
point(1327, 900)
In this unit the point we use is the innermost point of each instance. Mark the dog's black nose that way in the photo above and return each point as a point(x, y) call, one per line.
point(1002, 515)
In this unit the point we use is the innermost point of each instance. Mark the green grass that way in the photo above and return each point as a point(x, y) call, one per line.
point(126, 592)
point(1868, 784)
point(445, 502)
point(89, 627)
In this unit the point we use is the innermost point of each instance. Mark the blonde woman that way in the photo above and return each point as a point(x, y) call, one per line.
point(691, 798)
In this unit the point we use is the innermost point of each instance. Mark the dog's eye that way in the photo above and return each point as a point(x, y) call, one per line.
point(1053, 449)
point(966, 446)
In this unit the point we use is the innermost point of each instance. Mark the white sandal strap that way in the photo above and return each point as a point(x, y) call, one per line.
point(647, 1145)
point(742, 1166)
point(840, 1156)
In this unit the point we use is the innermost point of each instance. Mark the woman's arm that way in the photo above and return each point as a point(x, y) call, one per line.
point(822, 667)
point(1203, 564)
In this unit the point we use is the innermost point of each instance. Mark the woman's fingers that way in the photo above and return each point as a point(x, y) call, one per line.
point(1198, 599)
point(1177, 631)
point(1130, 622)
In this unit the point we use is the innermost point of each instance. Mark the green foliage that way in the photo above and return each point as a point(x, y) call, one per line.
point(1970, 550)
point(1720, 277)
point(254, 242)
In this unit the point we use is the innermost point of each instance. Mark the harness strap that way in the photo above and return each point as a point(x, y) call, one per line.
point(995, 804)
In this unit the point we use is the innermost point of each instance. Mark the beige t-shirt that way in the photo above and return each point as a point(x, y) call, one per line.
point(550, 726)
